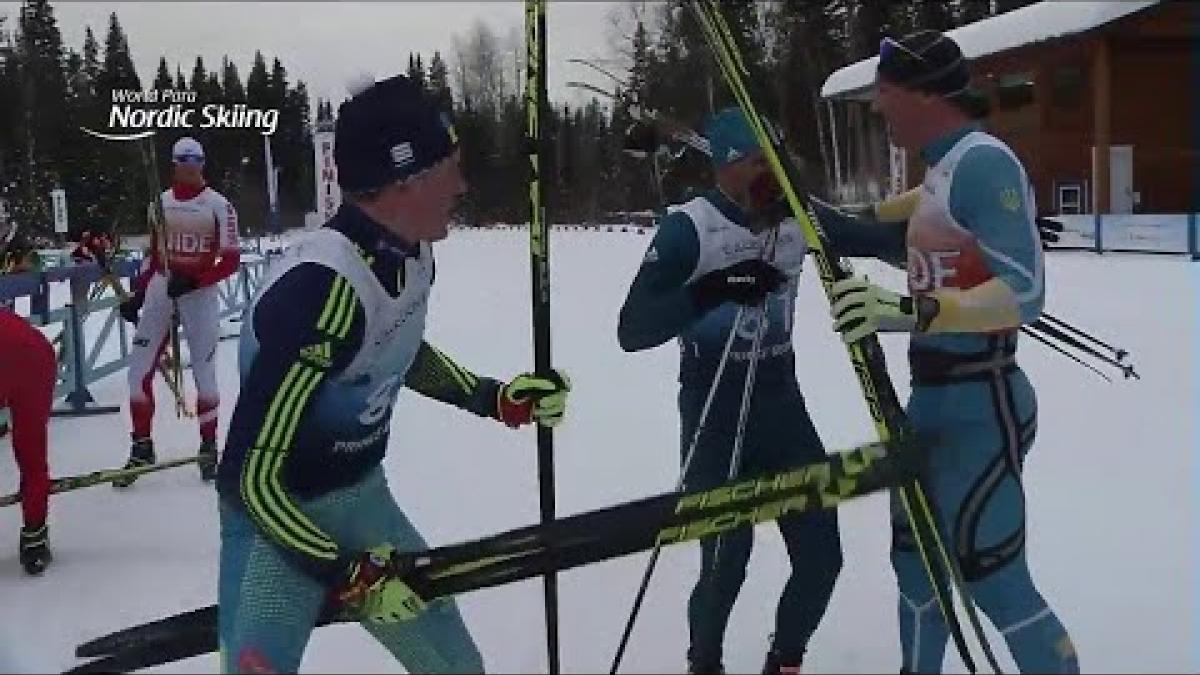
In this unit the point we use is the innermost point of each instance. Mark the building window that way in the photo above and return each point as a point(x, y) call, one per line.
point(1070, 197)
point(1014, 91)
point(1067, 86)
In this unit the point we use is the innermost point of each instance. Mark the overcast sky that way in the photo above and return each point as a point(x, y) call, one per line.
point(327, 43)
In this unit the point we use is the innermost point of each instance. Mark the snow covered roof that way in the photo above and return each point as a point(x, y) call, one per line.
point(1025, 26)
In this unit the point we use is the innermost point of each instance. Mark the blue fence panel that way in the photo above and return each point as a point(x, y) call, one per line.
point(84, 359)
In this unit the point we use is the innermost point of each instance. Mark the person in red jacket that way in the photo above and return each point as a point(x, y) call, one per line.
point(201, 232)
point(27, 375)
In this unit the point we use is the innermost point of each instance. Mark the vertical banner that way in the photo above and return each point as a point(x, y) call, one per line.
point(272, 188)
point(329, 195)
point(58, 200)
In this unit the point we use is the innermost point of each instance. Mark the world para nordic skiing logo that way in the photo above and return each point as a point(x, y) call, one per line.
point(138, 114)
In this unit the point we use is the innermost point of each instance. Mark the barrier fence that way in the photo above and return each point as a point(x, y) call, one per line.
point(90, 338)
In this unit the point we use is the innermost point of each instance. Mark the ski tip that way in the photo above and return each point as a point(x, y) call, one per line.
point(101, 665)
point(91, 649)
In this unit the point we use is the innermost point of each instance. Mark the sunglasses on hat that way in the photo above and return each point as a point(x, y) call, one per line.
point(189, 159)
point(888, 48)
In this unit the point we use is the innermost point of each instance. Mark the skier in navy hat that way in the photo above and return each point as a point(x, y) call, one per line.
point(336, 330)
point(976, 274)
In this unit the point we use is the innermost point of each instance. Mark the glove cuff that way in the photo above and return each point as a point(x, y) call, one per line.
point(511, 412)
point(924, 308)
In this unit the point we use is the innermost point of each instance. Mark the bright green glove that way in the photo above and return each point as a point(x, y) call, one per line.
point(533, 398)
point(372, 591)
point(861, 308)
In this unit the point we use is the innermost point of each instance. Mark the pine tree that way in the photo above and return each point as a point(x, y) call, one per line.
point(86, 176)
point(278, 88)
point(869, 21)
point(232, 90)
point(439, 81)
point(199, 77)
point(970, 11)
point(415, 72)
point(117, 70)
point(935, 15)
point(212, 87)
point(162, 78)
point(11, 106)
point(125, 186)
point(640, 70)
point(91, 55)
point(292, 148)
point(258, 84)
point(39, 147)
point(808, 44)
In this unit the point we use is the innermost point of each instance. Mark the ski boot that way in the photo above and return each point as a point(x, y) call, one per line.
point(35, 552)
point(778, 664)
point(705, 668)
point(703, 665)
point(141, 454)
point(207, 460)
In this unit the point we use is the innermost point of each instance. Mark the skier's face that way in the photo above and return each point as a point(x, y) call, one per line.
point(421, 208)
point(914, 118)
point(189, 171)
point(901, 108)
point(750, 182)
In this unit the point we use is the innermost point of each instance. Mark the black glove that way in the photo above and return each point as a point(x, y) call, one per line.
point(745, 283)
point(641, 139)
point(131, 307)
point(179, 285)
point(1048, 229)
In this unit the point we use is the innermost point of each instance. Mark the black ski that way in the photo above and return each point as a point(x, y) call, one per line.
point(68, 483)
point(562, 544)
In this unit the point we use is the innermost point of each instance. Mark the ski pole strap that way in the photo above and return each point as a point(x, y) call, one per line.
point(931, 367)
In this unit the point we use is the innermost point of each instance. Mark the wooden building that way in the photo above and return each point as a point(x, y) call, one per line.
point(1100, 100)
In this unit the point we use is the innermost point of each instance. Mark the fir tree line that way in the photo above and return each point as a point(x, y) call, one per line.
point(793, 45)
point(46, 89)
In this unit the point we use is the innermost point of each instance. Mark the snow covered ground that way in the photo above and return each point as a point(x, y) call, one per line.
point(1111, 483)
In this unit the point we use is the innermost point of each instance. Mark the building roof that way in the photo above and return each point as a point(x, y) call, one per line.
point(1049, 20)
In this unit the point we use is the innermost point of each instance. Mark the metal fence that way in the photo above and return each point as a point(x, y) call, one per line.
point(90, 337)
point(1132, 233)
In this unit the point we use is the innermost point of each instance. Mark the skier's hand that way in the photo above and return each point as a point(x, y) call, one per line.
point(533, 398)
point(746, 283)
point(371, 589)
point(861, 308)
point(641, 139)
point(92, 248)
point(131, 307)
point(102, 249)
point(179, 284)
